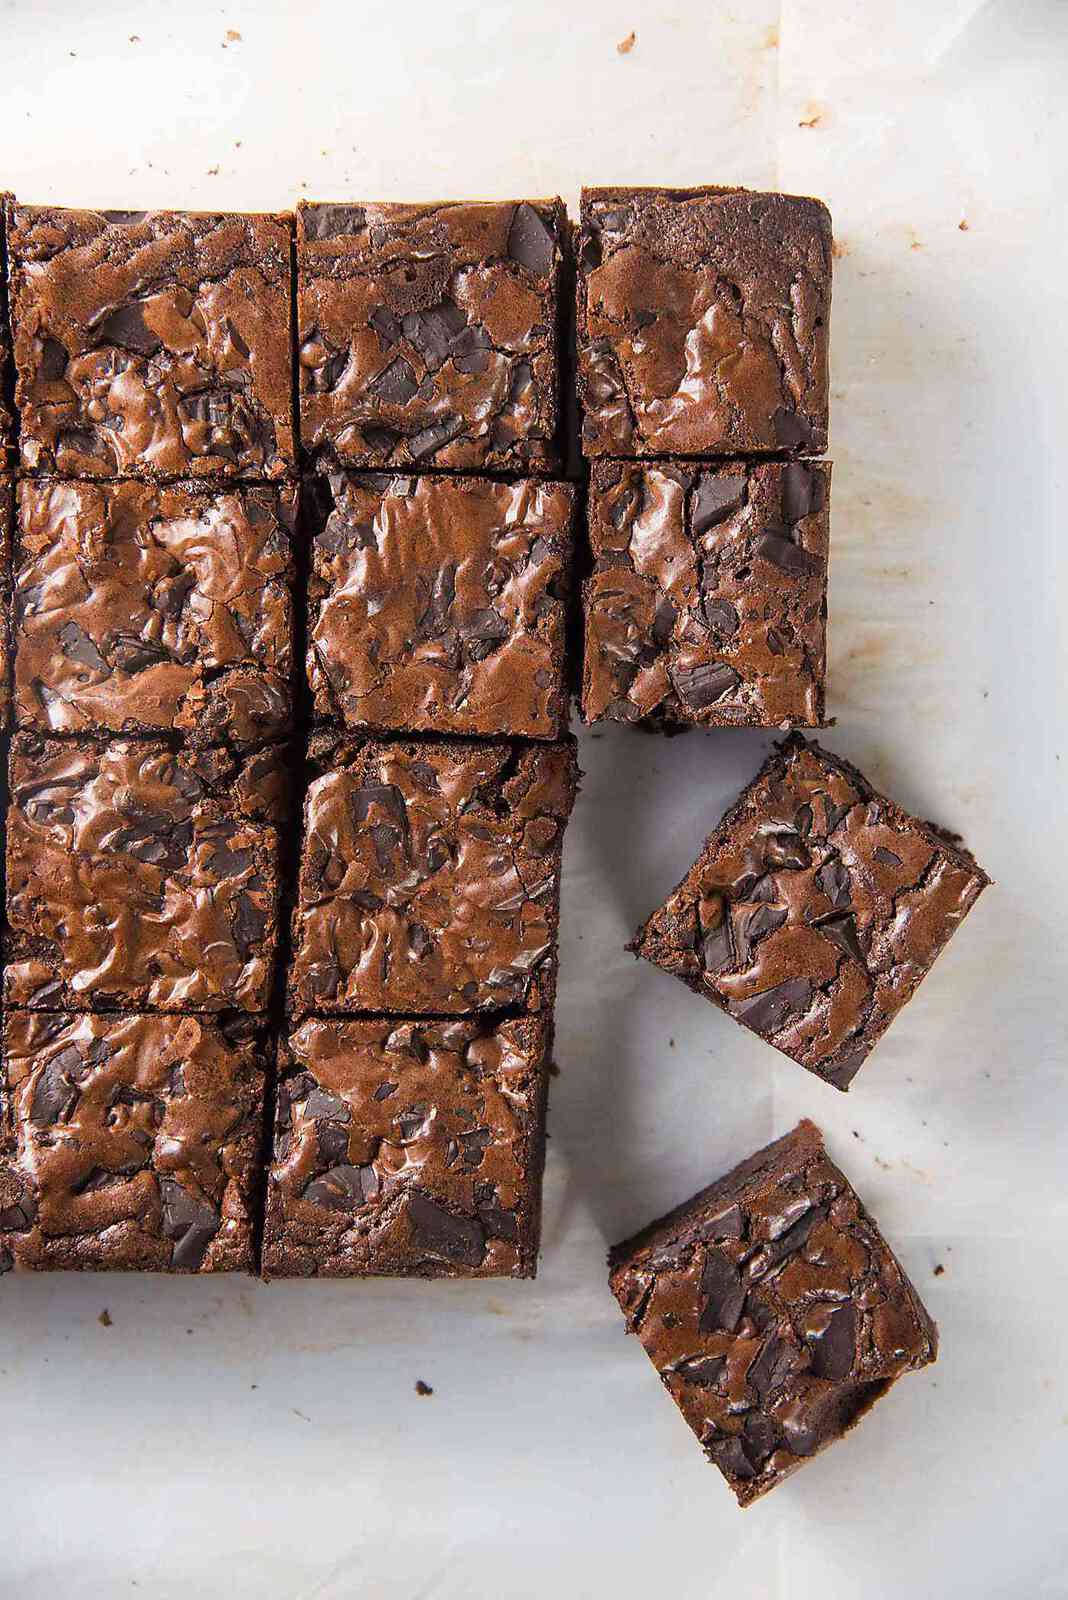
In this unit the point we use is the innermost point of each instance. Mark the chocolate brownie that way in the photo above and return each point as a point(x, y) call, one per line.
point(428, 334)
point(408, 1148)
point(7, 378)
point(814, 910)
point(438, 604)
point(773, 1309)
point(139, 876)
point(131, 1142)
point(707, 603)
point(7, 517)
point(152, 344)
point(703, 320)
point(430, 876)
point(143, 608)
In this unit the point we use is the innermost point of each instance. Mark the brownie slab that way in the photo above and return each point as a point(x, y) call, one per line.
point(152, 344)
point(703, 320)
point(814, 910)
point(143, 608)
point(428, 334)
point(131, 1142)
point(707, 603)
point(409, 1148)
point(140, 877)
point(439, 604)
point(773, 1310)
point(7, 518)
point(7, 378)
point(430, 876)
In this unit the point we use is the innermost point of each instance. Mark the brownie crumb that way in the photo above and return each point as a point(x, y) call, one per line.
point(939, 1269)
point(104, 1318)
point(422, 1388)
point(625, 46)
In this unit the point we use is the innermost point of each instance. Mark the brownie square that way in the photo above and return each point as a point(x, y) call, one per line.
point(707, 603)
point(773, 1309)
point(131, 1142)
point(139, 876)
point(143, 608)
point(430, 876)
point(703, 320)
point(7, 379)
point(408, 1148)
point(428, 334)
point(152, 344)
point(814, 910)
point(7, 517)
point(439, 604)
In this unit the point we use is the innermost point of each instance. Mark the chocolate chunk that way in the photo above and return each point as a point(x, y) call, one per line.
point(395, 384)
point(888, 858)
point(724, 1291)
point(126, 327)
point(834, 881)
point(191, 1222)
point(530, 242)
point(715, 498)
point(842, 932)
point(770, 1010)
point(329, 222)
point(792, 431)
point(53, 360)
point(802, 492)
point(438, 1231)
point(775, 547)
point(832, 1337)
point(703, 685)
point(722, 618)
point(78, 646)
point(54, 1096)
point(343, 1188)
point(702, 1370)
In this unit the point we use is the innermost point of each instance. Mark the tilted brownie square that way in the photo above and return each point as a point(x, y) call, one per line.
point(428, 334)
point(707, 603)
point(409, 1148)
point(773, 1309)
point(140, 877)
point(144, 608)
point(439, 604)
point(814, 910)
point(430, 876)
point(703, 321)
point(131, 1142)
point(7, 377)
point(152, 344)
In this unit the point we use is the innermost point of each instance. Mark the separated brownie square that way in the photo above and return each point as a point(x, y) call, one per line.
point(707, 603)
point(139, 876)
point(131, 1143)
point(439, 604)
point(408, 1148)
point(773, 1309)
point(7, 377)
point(430, 876)
point(814, 910)
point(152, 344)
point(428, 334)
point(703, 320)
point(143, 608)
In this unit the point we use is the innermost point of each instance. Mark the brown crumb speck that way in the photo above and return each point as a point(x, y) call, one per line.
point(625, 46)
point(232, 37)
point(135, 38)
point(812, 118)
point(939, 1269)
point(839, 248)
point(213, 172)
point(104, 1318)
point(422, 1388)
point(963, 225)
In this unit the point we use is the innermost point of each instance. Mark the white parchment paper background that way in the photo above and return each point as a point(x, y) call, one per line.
point(223, 1439)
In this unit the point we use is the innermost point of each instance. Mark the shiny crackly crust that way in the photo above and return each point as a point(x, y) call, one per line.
point(438, 604)
point(407, 1147)
point(814, 910)
point(430, 876)
point(703, 322)
point(428, 334)
point(144, 608)
point(152, 344)
point(131, 1142)
point(140, 876)
point(707, 602)
point(773, 1309)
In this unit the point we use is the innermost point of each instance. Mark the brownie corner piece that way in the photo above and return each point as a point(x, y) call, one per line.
point(429, 335)
point(706, 604)
point(131, 1142)
point(408, 1147)
point(438, 604)
point(773, 1310)
point(140, 877)
point(814, 910)
point(703, 321)
point(430, 876)
point(146, 608)
point(152, 344)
